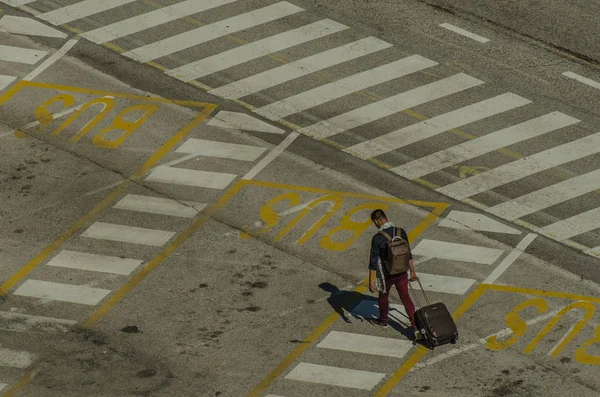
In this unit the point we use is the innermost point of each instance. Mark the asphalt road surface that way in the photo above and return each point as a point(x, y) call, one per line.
point(186, 188)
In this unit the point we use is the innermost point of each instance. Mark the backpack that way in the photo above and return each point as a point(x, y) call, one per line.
point(398, 254)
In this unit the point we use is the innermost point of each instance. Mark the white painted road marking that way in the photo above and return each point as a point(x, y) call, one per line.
point(254, 50)
point(210, 32)
point(243, 121)
point(367, 344)
point(15, 359)
point(151, 19)
point(386, 107)
point(485, 144)
point(574, 226)
point(51, 59)
point(225, 150)
point(19, 322)
point(61, 292)
point(337, 89)
point(335, 376)
point(299, 68)
point(582, 79)
point(271, 156)
point(80, 10)
point(457, 252)
point(436, 125)
point(182, 176)
point(547, 197)
point(510, 258)
point(5, 81)
point(17, 3)
point(158, 205)
point(20, 55)
point(523, 167)
point(128, 234)
point(28, 26)
point(95, 263)
point(464, 32)
point(446, 284)
point(473, 221)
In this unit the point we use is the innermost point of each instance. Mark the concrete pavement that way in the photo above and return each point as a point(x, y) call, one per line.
point(337, 74)
point(234, 284)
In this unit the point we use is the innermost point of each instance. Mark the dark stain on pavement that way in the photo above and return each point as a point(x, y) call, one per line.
point(146, 373)
point(565, 360)
point(131, 329)
point(257, 284)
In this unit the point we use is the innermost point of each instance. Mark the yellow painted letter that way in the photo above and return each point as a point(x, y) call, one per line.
point(581, 354)
point(268, 215)
point(128, 127)
point(347, 224)
point(517, 324)
point(589, 309)
point(44, 116)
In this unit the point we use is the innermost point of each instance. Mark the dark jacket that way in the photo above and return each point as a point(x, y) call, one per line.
point(379, 247)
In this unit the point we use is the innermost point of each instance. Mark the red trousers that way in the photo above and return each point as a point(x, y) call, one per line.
point(401, 283)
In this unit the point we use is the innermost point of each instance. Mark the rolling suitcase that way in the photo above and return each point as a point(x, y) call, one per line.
point(434, 321)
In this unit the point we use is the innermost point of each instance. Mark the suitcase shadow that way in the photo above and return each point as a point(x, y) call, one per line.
point(354, 305)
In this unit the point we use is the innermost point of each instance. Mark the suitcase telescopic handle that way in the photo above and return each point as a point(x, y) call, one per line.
point(422, 290)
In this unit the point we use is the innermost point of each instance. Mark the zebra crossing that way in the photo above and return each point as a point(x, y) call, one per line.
point(353, 357)
point(199, 53)
point(123, 239)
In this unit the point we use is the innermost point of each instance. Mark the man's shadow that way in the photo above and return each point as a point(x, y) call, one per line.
point(352, 304)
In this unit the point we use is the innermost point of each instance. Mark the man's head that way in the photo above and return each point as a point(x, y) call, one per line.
point(378, 217)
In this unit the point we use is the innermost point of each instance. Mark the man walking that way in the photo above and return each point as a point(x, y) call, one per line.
point(378, 270)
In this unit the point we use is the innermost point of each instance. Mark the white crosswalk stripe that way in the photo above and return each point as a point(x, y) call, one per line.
point(366, 344)
point(335, 376)
point(235, 151)
point(485, 144)
point(152, 19)
point(346, 86)
point(523, 167)
point(81, 10)
point(248, 52)
point(210, 32)
point(14, 358)
point(548, 196)
point(459, 252)
point(314, 63)
point(181, 176)
point(436, 125)
point(5, 81)
point(20, 55)
point(575, 225)
point(386, 107)
point(128, 234)
point(17, 3)
point(93, 262)
point(61, 292)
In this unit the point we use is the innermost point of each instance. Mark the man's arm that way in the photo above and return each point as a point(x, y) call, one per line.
point(373, 258)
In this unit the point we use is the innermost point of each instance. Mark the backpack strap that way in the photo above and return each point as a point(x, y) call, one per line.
point(387, 236)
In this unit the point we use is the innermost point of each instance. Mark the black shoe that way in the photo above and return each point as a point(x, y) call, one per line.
point(379, 323)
